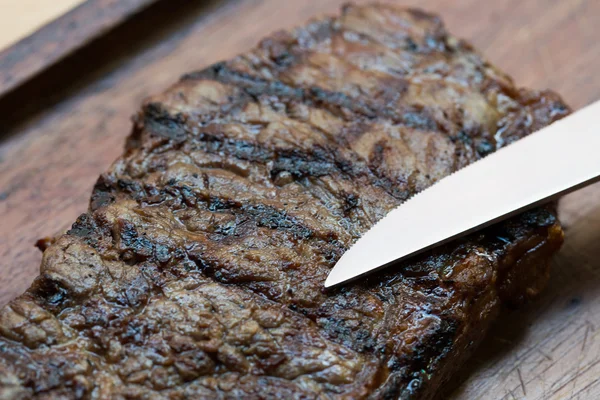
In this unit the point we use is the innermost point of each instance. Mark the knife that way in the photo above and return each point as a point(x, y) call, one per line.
point(549, 163)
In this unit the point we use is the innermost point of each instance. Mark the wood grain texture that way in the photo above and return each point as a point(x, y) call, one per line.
point(60, 37)
point(62, 129)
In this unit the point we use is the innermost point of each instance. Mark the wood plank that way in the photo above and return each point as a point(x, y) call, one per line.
point(20, 18)
point(63, 128)
point(54, 41)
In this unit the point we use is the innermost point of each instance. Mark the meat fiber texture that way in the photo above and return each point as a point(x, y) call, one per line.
point(198, 270)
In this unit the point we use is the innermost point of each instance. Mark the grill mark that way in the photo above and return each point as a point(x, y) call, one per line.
point(179, 197)
point(359, 339)
point(339, 104)
point(294, 164)
point(159, 121)
point(318, 162)
point(298, 163)
point(137, 249)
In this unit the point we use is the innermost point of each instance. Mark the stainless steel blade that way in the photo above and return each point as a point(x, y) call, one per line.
point(551, 162)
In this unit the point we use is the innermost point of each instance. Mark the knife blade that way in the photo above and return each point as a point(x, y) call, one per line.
point(551, 162)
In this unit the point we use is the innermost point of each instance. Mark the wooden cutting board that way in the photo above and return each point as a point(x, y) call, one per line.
point(20, 18)
point(59, 131)
point(35, 34)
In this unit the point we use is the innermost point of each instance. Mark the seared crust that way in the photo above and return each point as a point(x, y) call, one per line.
point(198, 270)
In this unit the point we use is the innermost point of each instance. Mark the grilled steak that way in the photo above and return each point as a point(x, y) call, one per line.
point(198, 270)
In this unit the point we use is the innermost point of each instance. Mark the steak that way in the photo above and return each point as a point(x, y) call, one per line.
point(198, 270)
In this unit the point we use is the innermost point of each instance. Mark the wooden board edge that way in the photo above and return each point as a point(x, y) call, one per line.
point(61, 37)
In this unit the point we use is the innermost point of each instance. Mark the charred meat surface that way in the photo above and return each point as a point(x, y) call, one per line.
point(198, 270)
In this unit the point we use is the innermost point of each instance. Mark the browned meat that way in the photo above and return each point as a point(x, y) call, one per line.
point(198, 270)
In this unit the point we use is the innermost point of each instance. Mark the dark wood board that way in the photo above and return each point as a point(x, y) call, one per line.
point(62, 129)
point(61, 37)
